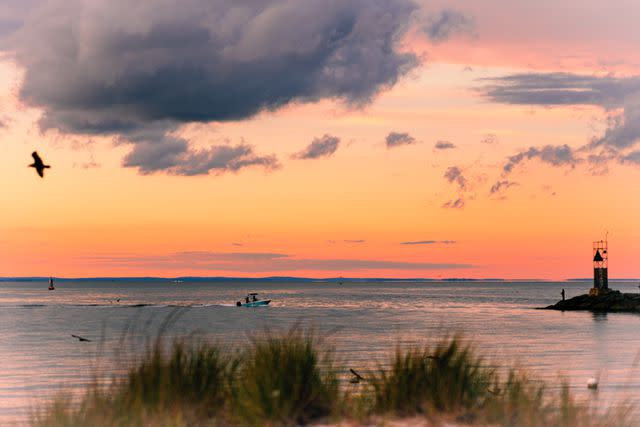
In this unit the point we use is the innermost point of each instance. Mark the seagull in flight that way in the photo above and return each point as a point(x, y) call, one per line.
point(82, 339)
point(38, 164)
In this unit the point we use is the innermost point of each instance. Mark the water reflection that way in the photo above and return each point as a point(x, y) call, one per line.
point(599, 316)
point(362, 321)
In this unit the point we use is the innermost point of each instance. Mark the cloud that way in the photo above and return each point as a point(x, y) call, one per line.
point(454, 175)
point(623, 130)
point(633, 158)
point(160, 65)
point(90, 164)
point(561, 155)
point(599, 158)
point(255, 262)
point(609, 92)
point(319, 147)
point(356, 241)
point(560, 89)
point(429, 242)
point(489, 138)
point(501, 186)
point(444, 145)
point(12, 14)
point(448, 23)
point(396, 139)
point(454, 204)
point(175, 156)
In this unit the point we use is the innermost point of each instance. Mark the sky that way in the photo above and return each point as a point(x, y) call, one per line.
point(353, 138)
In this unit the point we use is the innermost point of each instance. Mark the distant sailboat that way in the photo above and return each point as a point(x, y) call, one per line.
point(51, 287)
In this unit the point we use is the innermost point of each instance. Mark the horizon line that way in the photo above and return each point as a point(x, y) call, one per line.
point(302, 278)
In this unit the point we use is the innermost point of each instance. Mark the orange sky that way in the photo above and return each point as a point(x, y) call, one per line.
point(346, 214)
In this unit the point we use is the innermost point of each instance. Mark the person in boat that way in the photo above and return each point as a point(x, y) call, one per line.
point(246, 299)
point(253, 298)
point(239, 304)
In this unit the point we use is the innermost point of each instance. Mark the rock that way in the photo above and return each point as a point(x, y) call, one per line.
point(614, 301)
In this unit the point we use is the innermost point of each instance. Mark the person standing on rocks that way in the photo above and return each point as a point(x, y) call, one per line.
point(562, 293)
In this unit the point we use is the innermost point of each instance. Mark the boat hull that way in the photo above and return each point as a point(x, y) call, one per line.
point(256, 303)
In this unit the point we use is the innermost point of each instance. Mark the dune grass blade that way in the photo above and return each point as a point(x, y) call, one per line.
point(197, 377)
point(188, 386)
point(447, 378)
point(286, 380)
point(290, 379)
point(518, 401)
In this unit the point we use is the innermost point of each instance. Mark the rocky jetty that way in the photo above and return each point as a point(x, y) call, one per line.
point(613, 301)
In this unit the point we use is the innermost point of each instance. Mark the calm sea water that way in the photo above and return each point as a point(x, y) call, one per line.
point(363, 321)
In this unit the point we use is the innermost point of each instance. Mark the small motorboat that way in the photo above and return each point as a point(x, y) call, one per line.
point(252, 300)
point(51, 287)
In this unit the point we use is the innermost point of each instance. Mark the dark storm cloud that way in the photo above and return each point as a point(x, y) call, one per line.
point(396, 139)
point(202, 60)
point(447, 23)
point(319, 147)
point(454, 175)
point(454, 204)
point(444, 145)
point(260, 262)
point(429, 242)
point(113, 68)
point(561, 155)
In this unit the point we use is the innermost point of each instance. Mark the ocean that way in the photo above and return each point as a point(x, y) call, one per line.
point(363, 321)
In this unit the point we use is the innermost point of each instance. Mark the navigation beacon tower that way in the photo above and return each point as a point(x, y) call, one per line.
point(600, 268)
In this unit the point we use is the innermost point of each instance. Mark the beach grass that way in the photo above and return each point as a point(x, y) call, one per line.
point(291, 378)
point(445, 378)
point(185, 386)
point(286, 379)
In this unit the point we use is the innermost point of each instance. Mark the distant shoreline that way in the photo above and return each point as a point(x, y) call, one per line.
point(295, 279)
point(259, 279)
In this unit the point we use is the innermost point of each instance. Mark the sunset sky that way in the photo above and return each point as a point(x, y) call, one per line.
point(319, 138)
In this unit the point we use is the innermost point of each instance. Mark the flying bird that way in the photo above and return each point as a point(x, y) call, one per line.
point(38, 164)
point(81, 339)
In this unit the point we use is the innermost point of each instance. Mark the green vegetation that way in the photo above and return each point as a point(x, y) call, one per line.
point(444, 379)
point(291, 379)
point(285, 379)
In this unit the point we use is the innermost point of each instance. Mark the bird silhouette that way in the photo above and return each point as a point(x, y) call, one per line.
point(81, 339)
point(356, 377)
point(38, 164)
